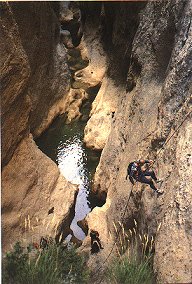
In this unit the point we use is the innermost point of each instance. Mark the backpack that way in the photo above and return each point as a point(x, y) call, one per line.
point(95, 247)
point(129, 168)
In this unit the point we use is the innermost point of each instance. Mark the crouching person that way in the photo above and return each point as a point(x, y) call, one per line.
point(95, 242)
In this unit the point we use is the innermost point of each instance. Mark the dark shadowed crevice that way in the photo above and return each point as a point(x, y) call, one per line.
point(164, 47)
point(133, 74)
point(119, 25)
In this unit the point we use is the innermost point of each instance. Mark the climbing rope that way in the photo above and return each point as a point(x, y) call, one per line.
point(167, 140)
point(118, 232)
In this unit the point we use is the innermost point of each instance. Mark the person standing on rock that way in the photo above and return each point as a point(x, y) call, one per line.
point(140, 171)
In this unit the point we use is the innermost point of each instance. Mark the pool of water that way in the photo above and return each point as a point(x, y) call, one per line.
point(63, 143)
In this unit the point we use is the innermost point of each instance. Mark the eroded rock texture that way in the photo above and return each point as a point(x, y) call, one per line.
point(40, 36)
point(15, 72)
point(31, 186)
point(35, 81)
point(140, 54)
point(156, 102)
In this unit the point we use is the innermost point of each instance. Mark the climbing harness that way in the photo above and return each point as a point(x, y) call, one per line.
point(118, 232)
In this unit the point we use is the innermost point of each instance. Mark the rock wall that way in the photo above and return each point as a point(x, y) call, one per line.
point(15, 73)
point(140, 54)
point(157, 99)
point(40, 36)
point(31, 186)
point(34, 80)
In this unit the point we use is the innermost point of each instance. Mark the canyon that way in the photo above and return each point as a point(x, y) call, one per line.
point(139, 55)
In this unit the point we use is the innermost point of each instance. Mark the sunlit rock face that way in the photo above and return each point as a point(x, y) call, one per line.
point(35, 81)
point(102, 115)
point(49, 82)
point(140, 54)
point(31, 185)
point(157, 99)
point(92, 49)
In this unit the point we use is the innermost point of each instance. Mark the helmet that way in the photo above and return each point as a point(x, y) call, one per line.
point(141, 161)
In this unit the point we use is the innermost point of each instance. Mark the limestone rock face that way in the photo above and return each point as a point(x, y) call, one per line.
point(102, 115)
point(156, 103)
point(104, 106)
point(31, 185)
point(15, 72)
point(73, 103)
point(50, 78)
point(70, 19)
point(35, 81)
point(173, 242)
point(92, 49)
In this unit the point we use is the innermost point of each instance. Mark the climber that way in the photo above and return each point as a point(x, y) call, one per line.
point(95, 242)
point(43, 243)
point(140, 171)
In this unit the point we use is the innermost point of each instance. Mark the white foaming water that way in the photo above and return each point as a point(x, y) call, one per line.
point(71, 162)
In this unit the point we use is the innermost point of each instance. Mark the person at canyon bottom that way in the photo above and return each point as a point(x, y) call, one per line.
point(140, 171)
point(95, 242)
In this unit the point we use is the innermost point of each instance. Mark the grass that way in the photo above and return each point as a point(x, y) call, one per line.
point(28, 263)
point(59, 264)
point(126, 270)
point(134, 262)
point(54, 265)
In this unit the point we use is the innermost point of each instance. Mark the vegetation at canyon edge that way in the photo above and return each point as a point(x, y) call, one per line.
point(59, 263)
point(135, 255)
point(54, 265)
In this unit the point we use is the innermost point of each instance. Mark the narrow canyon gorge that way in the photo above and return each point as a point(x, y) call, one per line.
point(87, 88)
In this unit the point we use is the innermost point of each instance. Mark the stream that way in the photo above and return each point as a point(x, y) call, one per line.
point(63, 143)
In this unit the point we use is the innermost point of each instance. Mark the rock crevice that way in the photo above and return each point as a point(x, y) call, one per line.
point(35, 81)
point(149, 109)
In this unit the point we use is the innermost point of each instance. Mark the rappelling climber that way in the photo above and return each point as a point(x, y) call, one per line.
point(140, 171)
point(95, 242)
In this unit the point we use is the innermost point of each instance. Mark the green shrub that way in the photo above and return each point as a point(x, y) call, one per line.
point(54, 265)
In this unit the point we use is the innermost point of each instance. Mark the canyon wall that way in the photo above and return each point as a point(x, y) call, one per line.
point(35, 81)
point(140, 54)
point(154, 102)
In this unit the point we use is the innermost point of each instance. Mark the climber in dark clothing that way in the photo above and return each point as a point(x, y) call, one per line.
point(95, 242)
point(43, 243)
point(140, 171)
